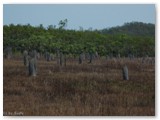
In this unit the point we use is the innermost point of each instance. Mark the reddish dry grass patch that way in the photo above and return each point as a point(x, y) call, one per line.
point(87, 89)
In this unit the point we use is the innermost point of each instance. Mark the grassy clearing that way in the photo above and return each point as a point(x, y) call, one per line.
point(87, 89)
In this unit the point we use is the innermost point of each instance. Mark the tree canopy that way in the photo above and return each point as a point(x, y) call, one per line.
point(135, 38)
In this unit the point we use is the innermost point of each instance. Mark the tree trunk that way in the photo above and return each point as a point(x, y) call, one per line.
point(80, 59)
point(90, 57)
point(48, 56)
point(58, 57)
point(61, 59)
point(65, 59)
point(25, 58)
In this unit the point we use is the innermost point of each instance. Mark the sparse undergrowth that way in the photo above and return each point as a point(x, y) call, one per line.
point(86, 89)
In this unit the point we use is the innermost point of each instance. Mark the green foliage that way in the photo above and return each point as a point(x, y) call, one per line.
point(62, 24)
point(22, 37)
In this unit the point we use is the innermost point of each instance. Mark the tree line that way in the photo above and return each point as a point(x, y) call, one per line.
point(75, 42)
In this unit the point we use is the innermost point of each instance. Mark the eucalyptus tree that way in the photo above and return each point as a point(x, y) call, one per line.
point(91, 49)
point(79, 50)
point(62, 24)
point(65, 51)
point(47, 56)
point(101, 50)
point(50, 27)
point(58, 48)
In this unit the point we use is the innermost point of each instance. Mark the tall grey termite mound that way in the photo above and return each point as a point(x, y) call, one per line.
point(32, 67)
point(8, 52)
point(125, 73)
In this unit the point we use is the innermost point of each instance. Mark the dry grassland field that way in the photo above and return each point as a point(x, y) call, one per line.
point(95, 89)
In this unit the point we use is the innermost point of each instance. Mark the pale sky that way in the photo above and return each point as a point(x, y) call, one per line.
point(97, 16)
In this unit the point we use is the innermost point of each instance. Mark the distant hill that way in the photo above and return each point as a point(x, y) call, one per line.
point(133, 28)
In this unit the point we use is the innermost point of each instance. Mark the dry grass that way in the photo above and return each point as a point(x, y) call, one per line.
point(87, 89)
